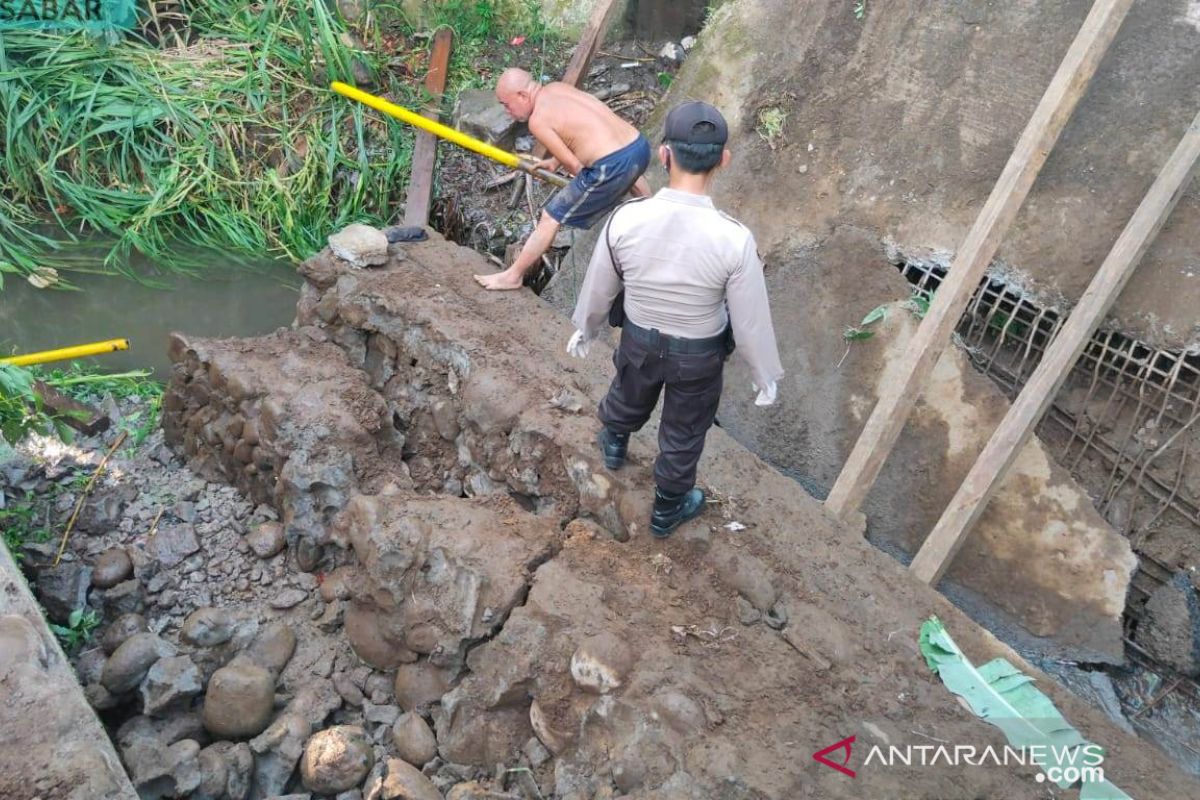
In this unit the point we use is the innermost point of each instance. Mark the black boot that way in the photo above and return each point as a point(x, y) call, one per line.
point(672, 510)
point(613, 446)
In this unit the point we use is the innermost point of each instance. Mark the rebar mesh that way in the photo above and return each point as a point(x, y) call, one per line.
point(1131, 407)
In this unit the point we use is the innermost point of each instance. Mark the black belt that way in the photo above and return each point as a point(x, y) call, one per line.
point(672, 344)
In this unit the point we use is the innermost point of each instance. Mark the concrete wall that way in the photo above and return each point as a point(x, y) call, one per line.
point(901, 123)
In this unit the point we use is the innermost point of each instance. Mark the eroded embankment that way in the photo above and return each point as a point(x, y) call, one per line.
point(434, 441)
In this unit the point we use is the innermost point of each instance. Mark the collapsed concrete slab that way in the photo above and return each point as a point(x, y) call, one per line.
point(51, 744)
point(696, 667)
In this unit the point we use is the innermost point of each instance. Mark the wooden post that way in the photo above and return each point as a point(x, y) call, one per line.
point(581, 59)
point(981, 482)
point(890, 413)
point(420, 184)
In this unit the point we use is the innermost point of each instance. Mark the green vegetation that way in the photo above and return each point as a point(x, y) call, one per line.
point(770, 124)
point(222, 135)
point(24, 522)
point(78, 630)
point(22, 411)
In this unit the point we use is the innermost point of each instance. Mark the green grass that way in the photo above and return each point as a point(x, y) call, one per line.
point(232, 142)
point(22, 411)
point(24, 521)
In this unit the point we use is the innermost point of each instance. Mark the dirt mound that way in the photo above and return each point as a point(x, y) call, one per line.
point(711, 664)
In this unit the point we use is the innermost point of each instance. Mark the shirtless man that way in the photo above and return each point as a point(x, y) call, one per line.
point(605, 153)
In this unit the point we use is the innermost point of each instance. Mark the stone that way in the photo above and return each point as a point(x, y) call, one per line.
point(336, 759)
point(336, 585)
point(124, 598)
point(172, 544)
point(314, 702)
point(102, 511)
point(601, 664)
point(380, 714)
point(277, 750)
point(172, 771)
point(112, 567)
point(209, 627)
point(121, 629)
point(100, 698)
point(347, 690)
point(239, 701)
point(414, 741)
point(63, 589)
point(170, 683)
point(308, 554)
point(378, 687)
point(89, 666)
point(131, 661)
point(672, 54)
point(288, 598)
point(535, 752)
point(478, 113)
point(239, 763)
point(420, 685)
point(272, 649)
point(747, 613)
point(1170, 628)
point(150, 732)
point(266, 539)
point(361, 245)
point(405, 782)
point(214, 774)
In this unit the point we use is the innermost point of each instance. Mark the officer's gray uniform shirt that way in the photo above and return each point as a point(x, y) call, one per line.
point(682, 260)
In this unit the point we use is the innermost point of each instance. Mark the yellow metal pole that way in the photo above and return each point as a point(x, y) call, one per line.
point(446, 132)
point(65, 353)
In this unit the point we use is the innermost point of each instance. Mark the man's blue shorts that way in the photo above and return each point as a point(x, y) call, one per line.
point(597, 189)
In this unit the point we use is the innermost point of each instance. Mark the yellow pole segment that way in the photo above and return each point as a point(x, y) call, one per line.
point(65, 353)
point(446, 132)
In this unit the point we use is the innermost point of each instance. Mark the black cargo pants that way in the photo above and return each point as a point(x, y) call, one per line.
point(690, 370)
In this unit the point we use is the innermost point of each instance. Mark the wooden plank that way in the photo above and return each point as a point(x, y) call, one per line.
point(585, 51)
point(420, 184)
point(978, 248)
point(79, 416)
point(1014, 431)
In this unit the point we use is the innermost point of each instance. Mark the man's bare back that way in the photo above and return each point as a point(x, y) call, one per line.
point(588, 128)
point(577, 131)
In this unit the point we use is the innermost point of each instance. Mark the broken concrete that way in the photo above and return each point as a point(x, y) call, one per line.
point(901, 123)
point(1170, 629)
point(51, 744)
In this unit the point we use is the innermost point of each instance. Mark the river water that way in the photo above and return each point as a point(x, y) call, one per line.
point(224, 303)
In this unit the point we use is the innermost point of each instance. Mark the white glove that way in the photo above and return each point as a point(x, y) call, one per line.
point(577, 347)
point(766, 395)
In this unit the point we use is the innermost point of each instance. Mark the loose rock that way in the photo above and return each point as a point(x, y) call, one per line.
point(131, 661)
point(266, 540)
point(414, 741)
point(336, 759)
point(63, 589)
point(361, 245)
point(405, 782)
point(112, 567)
point(172, 544)
point(170, 683)
point(601, 663)
point(121, 629)
point(239, 701)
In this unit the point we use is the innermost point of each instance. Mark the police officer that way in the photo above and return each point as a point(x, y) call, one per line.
point(689, 282)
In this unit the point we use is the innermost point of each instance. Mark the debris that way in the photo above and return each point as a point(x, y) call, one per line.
point(734, 526)
point(1001, 694)
point(566, 400)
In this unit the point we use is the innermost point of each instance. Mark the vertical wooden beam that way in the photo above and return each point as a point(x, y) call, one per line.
point(1014, 431)
point(890, 413)
point(420, 184)
point(585, 51)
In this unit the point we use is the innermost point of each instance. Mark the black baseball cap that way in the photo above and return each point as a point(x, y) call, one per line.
point(695, 123)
